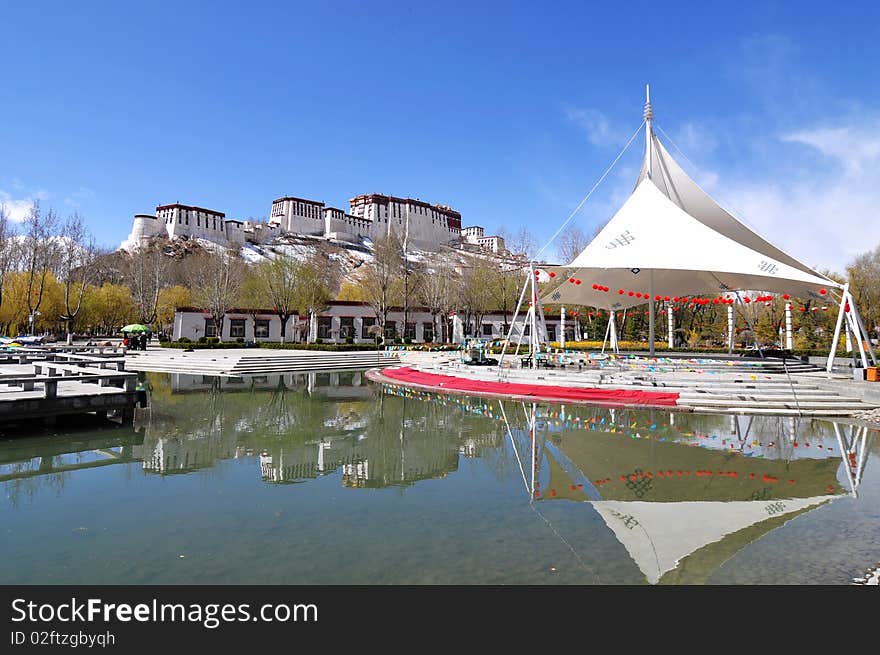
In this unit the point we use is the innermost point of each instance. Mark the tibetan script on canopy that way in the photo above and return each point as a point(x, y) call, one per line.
point(768, 268)
point(624, 239)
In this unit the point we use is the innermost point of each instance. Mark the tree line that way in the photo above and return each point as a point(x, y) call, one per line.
point(54, 279)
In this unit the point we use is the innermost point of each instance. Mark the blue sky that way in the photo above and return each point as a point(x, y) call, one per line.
point(509, 112)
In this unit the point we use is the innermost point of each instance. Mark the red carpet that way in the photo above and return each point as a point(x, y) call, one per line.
point(405, 374)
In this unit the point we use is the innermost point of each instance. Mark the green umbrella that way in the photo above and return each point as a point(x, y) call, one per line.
point(135, 327)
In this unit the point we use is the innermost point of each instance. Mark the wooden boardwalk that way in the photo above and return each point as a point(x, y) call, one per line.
point(43, 384)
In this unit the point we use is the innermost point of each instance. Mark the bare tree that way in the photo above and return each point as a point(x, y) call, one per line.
point(76, 256)
point(382, 274)
point(280, 279)
point(504, 284)
point(438, 291)
point(147, 266)
point(475, 294)
point(38, 255)
point(8, 248)
point(864, 276)
point(216, 278)
point(570, 244)
point(315, 281)
point(522, 242)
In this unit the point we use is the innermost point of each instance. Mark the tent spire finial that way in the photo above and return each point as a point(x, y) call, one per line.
point(649, 130)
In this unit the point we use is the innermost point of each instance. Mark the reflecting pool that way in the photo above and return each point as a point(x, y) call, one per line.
point(326, 478)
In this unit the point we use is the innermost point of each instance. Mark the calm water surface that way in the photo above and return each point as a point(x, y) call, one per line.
point(329, 479)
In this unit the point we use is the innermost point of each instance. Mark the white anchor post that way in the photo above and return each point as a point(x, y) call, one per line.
point(670, 327)
point(730, 329)
point(788, 339)
point(562, 328)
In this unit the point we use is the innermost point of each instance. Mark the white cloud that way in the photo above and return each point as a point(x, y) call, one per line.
point(596, 126)
point(16, 208)
point(854, 148)
point(823, 213)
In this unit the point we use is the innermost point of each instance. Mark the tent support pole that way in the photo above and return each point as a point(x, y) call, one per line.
point(607, 332)
point(670, 327)
point(854, 328)
point(730, 322)
point(533, 336)
point(858, 318)
point(836, 338)
point(651, 314)
point(751, 327)
point(512, 323)
point(562, 328)
point(614, 345)
point(789, 342)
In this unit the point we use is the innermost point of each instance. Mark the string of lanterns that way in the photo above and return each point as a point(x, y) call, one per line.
point(685, 300)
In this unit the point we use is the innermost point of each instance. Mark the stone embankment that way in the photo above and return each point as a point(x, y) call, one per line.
point(251, 361)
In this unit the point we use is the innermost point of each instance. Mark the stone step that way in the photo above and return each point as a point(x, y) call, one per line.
point(734, 403)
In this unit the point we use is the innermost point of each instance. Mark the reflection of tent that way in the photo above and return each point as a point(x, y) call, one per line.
point(661, 537)
point(692, 513)
point(670, 239)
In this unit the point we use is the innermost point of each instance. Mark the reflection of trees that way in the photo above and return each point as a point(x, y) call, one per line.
point(31, 465)
point(227, 418)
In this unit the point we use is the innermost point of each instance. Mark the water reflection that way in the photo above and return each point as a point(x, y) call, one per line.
point(683, 501)
point(663, 497)
point(303, 426)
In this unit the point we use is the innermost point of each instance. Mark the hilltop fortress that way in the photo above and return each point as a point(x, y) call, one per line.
point(370, 217)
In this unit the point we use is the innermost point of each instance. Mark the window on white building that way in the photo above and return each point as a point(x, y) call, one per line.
point(210, 328)
point(236, 327)
point(346, 327)
point(261, 329)
point(325, 324)
point(366, 324)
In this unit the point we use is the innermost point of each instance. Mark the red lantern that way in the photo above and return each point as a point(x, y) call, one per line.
point(666, 298)
point(552, 274)
point(675, 299)
point(823, 291)
point(786, 296)
point(638, 295)
point(747, 299)
point(631, 293)
point(595, 286)
point(846, 307)
point(571, 279)
point(656, 297)
point(577, 281)
point(620, 291)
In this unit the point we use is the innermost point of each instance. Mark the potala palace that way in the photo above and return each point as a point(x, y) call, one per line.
point(370, 216)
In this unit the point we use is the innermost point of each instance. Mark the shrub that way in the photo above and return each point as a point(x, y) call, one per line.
point(202, 339)
point(239, 339)
point(213, 340)
point(397, 341)
point(407, 341)
point(319, 340)
point(349, 339)
point(183, 340)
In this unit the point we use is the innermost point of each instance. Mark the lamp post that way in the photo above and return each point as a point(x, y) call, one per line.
point(32, 318)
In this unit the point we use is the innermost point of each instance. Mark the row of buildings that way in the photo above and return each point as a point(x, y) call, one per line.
point(347, 321)
point(370, 216)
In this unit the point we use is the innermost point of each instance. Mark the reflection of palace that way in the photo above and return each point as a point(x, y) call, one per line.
point(305, 425)
point(681, 501)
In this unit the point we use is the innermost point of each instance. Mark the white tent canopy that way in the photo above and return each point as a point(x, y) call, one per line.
point(670, 240)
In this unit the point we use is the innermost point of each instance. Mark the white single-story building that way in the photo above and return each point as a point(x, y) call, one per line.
point(343, 320)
